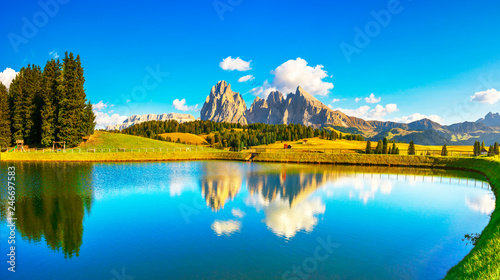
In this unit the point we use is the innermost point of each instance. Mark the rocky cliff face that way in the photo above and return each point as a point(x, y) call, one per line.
point(224, 105)
point(130, 121)
point(298, 108)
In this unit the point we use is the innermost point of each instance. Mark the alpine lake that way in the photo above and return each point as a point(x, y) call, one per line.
point(238, 220)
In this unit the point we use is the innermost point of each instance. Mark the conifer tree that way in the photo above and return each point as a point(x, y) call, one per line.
point(392, 150)
point(444, 151)
point(384, 146)
point(5, 133)
point(16, 96)
point(368, 149)
point(411, 148)
point(495, 149)
point(89, 119)
point(380, 147)
point(491, 151)
point(49, 101)
point(33, 105)
point(72, 102)
point(483, 147)
point(477, 148)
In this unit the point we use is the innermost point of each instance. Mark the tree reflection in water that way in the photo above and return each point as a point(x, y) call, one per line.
point(51, 202)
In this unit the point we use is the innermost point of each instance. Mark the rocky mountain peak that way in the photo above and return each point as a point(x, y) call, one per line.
point(301, 92)
point(224, 105)
point(491, 119)
point(221, 88)
point(275, 97)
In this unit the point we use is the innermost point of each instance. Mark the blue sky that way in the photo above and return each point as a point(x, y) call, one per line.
point(418, 58)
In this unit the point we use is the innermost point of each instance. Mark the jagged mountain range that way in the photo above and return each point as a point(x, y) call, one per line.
point(136, 119)
point(225, 105)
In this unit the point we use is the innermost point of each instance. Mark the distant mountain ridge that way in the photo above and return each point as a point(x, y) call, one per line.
point(490, 119)
point(135, 119)
point(225, 105)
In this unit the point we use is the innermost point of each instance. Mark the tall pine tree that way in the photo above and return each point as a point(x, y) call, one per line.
point(411, 148)
point(368, 149)
point(384, 146)
point(380, 147)
point(33, 106)
point(70, 128)
point(444, 151)
point(49, 101)
point(16, 101)
point(88, 119)
point(5, 133)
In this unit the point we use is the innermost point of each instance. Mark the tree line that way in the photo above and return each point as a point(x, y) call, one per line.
point(383, 147)
point(479, 148)
point(43, 106)
point(236, 136)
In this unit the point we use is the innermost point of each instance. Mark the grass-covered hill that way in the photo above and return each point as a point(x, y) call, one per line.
point(106, 140)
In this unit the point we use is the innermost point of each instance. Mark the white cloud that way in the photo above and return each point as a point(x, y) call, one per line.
point(286, 221)
point(7, 76)
point(54, 54)
point(417, 117)
point(246, 78)
point(181, 105)
point(333, 101)
point(366, 112)
point(358, 99)
point(359, 113)
point(363, 189)
point(371, 99)
point(238, 64)
point(226, 227)
point(490, 96)
point(264, 90)
point(380, 111)
point(100, 106)
point(295, 73)
point(238, 213)
point(104, 119)
point(483, 205)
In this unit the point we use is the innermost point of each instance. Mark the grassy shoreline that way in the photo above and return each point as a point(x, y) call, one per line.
point(483, 261)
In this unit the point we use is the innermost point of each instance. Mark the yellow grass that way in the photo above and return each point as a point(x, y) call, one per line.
point(185, 138)
point(316, 143)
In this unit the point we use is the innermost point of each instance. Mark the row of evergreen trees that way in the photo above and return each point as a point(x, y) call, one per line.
point(480, 147)
point(333, 135)
point(41, 107)
point(382, 148)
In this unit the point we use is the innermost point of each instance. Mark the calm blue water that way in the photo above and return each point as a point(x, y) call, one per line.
point(231, 220)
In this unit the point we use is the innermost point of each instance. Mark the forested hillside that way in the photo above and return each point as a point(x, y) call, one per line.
point(235, 135)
